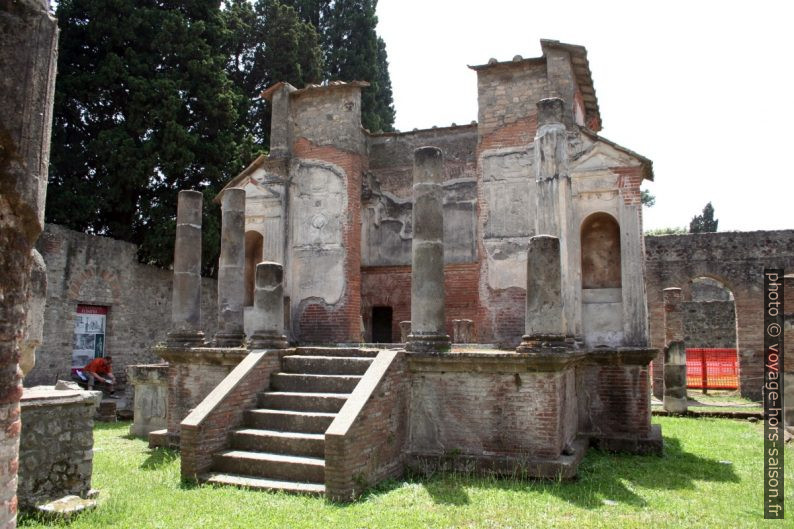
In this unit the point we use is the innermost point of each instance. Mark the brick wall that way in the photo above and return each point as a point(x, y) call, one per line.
point(188, 385)
point(390, 286)
point(91, 270)
point(206, 430)
point(319, 322)
point(366, 442)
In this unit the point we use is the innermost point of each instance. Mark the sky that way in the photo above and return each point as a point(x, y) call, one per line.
point(702, 88)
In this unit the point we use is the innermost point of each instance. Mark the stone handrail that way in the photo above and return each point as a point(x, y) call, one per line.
point(206, 429)
point(366, 441)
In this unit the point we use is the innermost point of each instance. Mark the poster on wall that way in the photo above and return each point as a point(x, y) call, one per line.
point(89, 334)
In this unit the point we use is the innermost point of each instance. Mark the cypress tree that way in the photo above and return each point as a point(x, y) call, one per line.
point(143, 108)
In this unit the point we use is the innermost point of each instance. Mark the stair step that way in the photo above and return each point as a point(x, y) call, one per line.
point(298, 401)
point(313, 383)
point(288, 420)
point(336, 351)
point(252, 482)
point(291, 443)
point(326, 365)
point(270, 466)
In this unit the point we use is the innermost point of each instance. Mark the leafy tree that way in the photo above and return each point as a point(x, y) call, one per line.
point(705, 222)
point(268, 42)
point(648, 200)
point(143, 108)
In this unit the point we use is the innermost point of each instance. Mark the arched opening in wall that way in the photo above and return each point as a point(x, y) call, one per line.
point(602, 296)
point(710, 330)
point(382, 324)
point(600, 252)
point(253, 256)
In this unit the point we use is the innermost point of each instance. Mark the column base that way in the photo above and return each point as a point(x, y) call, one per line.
point(230, 339)
point(267, 340)
point(428, 343)
point(675, 404)
point(185, 338)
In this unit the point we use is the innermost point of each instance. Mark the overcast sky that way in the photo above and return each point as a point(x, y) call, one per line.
point(702, 88)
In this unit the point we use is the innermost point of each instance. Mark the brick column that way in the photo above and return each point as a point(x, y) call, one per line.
point(186, 302)
point(544, 321)
point(28, 40)
point(269, 308)
point(231, 270)
point(427, 273)
point(675, 398)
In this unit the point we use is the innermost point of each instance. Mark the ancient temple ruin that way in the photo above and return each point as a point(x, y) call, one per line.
point(526, 225)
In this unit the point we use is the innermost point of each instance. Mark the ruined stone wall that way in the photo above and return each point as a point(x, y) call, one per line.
point(91, 270)
point(735, 259)
point(709, 324)
point(387, 195)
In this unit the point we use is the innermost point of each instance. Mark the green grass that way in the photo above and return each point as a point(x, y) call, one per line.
point(709, 476)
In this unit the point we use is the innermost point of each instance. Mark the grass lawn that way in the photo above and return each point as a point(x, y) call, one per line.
point(710, 476)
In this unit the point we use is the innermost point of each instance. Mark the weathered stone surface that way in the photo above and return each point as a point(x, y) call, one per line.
point(34, 325)
point(231, 270)
point(427, 273)
point(28, 40)
point(151, 398)
point(463, 331)
point(56, 444)
point(544, 314)
point(675, 397)
point(186, 303)
point(269, 306)
point(405, 330)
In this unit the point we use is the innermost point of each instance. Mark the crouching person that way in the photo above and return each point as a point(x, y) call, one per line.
point(101, 370)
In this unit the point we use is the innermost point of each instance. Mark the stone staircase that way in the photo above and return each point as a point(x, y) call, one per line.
point(281, 445)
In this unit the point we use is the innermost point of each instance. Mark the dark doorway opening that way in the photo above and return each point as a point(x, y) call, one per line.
point(381, 324)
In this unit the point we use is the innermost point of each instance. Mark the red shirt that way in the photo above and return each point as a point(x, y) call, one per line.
point(99, 366)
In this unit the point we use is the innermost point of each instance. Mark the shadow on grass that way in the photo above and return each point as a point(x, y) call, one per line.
point(602, 476)
point(159, 457)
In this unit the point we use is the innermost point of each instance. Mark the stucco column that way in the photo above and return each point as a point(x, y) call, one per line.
point(544, 319)
point(186, 301)
point(554, 205)
point(675, 398)
point(269, 308)
point(231, 270)
point(427, 272)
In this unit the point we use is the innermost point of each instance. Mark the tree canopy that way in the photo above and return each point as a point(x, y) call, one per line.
point(154, 96)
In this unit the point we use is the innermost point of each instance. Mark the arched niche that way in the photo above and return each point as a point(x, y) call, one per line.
point(254, 243)
point(600, 252)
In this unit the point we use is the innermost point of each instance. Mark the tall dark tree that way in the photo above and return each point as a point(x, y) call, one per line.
point(268, 42)
point(143, 108)
point(354, 52)
point(705, 222)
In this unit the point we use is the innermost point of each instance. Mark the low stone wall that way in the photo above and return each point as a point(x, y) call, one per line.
point(56, 444)
point(151, 397)
point(495, 413)
point(366, 442)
